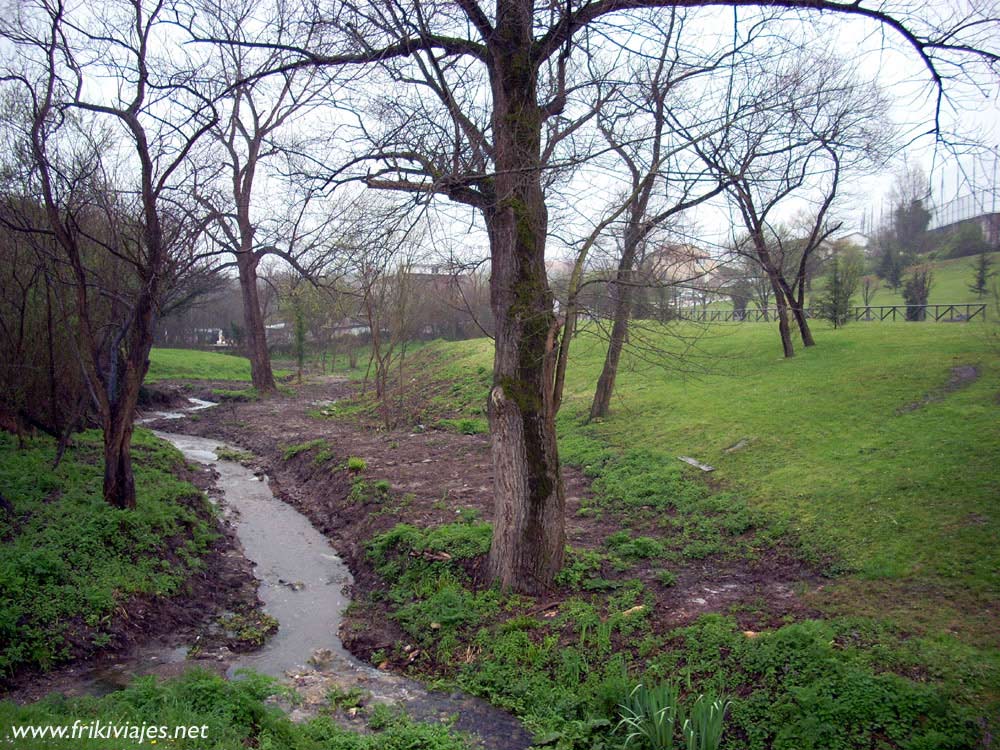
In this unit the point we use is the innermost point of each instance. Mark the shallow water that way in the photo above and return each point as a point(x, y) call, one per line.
point(302, 582)
point(301, 577)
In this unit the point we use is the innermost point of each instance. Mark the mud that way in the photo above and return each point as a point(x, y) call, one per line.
point(439, 475)
point(961, 377)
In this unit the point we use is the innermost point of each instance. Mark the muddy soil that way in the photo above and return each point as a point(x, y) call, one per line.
point(440, 475)
point(961, 377)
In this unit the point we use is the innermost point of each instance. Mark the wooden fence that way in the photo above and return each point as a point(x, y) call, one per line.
point(958, 313)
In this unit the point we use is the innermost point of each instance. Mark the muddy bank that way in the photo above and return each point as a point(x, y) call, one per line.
point(152, 635)
point(302, 584)
point(436, 477)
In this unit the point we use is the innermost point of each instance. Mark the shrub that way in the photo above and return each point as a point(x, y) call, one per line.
point(916, 291)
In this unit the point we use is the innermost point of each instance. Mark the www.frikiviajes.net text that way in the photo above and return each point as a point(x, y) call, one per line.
point(103, 730)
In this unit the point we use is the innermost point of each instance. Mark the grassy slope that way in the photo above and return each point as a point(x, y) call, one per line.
point(192, 364)
point(69, 561)
point(894, 492)
point(903, 500)
point(951, 284)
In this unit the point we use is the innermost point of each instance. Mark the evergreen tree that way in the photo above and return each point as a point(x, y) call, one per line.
point(982, 273)
point(841, 283)
point(916, 292)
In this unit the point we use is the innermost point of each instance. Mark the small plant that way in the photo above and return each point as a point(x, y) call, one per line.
point(249, 630)
point(649, 716)
point(291, 451)
point(322, 456)
point(225, 453)
point(666, 578)
point(337, 697)
point(355, 464)
point(703, 730)
point(359, 490)
point(382, 489)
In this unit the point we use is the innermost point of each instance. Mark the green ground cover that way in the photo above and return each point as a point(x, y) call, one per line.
point(227, 714)
point(952, 278)
point(192, 364)
point(69, 561)
point(858, 453)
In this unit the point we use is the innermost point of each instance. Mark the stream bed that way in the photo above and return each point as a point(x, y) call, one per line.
point(302, 585)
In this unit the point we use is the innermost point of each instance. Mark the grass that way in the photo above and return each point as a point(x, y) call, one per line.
point(192, 364)
point(69, 562)
point(855, 452)
point(952, 278)
point(225, 714)
point(831, 443)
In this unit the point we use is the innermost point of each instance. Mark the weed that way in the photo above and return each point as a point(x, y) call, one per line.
point(291, 451)
point(355, 464)
point(338, 698)
point(227, 453)
point(666, 578)
point(249, 630)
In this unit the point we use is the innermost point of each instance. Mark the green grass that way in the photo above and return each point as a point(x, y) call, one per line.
point(830, 446)
point(897, 503)
point(192, 364)
point(69, 561)
point(225, 714)
point(952, 278)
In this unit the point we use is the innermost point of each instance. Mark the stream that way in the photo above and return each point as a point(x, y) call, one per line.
point(302, 585)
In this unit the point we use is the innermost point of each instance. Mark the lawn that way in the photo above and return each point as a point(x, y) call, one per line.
point(835, 441)
point(950, 285)
point(192, 364)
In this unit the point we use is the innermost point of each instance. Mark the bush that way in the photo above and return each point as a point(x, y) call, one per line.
point(916, 291)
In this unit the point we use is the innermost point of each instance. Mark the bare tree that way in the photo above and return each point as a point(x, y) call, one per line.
point(122, 232)
point(499, 78)
point(665, 179)
point(253, 132)
point(809, 122)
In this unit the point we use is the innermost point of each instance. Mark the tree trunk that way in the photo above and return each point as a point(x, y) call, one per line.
point(606, 382)
point(619, 334)
point(119, 481)
point(528, 534)
point(797, 303)
point(253, 321)
point(781, 305)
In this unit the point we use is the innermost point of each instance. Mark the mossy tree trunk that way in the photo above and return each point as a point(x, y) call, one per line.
point(260, 360)
point(528, 538)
